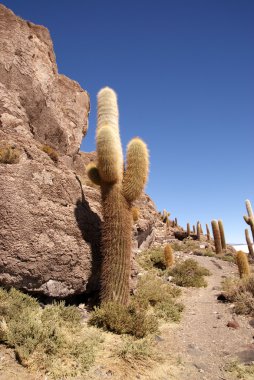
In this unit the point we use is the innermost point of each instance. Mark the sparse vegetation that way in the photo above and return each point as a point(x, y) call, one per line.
point(241, 293)
point(189, 273)
point(9, 155)
point(121, 319)
point(50, 152)
point(241, 371)
point(52, 340)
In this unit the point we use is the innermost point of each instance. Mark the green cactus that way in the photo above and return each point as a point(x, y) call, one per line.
point(250, 218)
point(249, 243)
point(119, 188)
point(208, 232)
point(216, 236)
point(243, 264)
point(188, 229)
point(222, 235)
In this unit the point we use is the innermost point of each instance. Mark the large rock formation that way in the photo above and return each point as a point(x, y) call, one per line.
point(50, 214)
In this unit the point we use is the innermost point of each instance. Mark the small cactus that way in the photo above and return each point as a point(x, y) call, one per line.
point(176, 223)
point(222, 235)
point(243, 264)
point(208, 233)
point(188, 229)
point(250, 218)
point(119, 188)
point(169, 256)
point(249, 243)
point(165, 216)
point(216, 236)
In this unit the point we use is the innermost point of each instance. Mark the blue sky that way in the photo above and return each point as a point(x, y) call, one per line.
point(184, 74)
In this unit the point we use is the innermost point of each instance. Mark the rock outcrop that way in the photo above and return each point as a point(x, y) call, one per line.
point(50, 214)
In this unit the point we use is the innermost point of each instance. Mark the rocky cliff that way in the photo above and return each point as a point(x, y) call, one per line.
point(50, 215)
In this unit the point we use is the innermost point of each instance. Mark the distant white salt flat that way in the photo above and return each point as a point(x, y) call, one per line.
point(241, 247)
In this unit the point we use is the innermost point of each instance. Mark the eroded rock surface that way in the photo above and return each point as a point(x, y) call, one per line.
point(50, 215)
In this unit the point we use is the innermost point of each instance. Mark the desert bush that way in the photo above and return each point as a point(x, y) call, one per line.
point(41, 338)
point(241, 293)
point(50, 152)
point(135, 350)
point(189, 273)
point(154, 291)
point(9, 155)
point(122, 319)
point(152, 259)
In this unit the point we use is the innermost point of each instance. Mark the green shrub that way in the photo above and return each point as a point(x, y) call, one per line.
point(156, 292)
point(152, 259)
point(189, 273)
point(50, 152)
point(122, 319)
point(41, 338)
point(9, 155)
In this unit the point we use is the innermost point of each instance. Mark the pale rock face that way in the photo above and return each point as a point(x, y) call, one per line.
point(50, 217)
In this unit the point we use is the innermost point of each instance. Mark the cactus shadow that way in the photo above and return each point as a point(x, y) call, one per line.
point(89, 224)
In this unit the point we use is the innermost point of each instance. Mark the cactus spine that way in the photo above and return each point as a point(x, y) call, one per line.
point(169, 257)
point(249, 243)
point(216, 236)
point(222, 235)
point(243, 264)
point(119, 188)
point(208, 233)
point(188, 229)
point(250, 218)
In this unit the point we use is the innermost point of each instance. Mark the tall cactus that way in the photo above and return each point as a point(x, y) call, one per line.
point(222, 235)
point(249, 243)
point(194, 229)
point(208, 232)
point(119, 188)
point(198, 231)
point(216, 236)
point(188, 229)
point(250, 218)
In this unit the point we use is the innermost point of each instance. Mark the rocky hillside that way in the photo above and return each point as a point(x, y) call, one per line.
point(50, 215)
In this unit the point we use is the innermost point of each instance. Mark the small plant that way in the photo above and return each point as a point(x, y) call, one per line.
point(9, 155)
point(243, 264)
point(135, 214)
point(50, 152)
point(133, 350)
point(122, 319)
point(41, 338)
point(189, 273)
point(168, 255)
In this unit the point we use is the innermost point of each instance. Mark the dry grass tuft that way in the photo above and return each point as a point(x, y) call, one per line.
point(50, 152)
point(52, 340)
point(9, 155)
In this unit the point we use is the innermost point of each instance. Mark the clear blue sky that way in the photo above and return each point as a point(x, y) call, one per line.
point(184, 74)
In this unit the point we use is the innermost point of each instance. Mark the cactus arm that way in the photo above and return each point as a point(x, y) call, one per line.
point(249, 208)
point(136, 173)
point(93, 173)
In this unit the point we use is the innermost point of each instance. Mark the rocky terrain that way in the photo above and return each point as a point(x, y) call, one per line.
point(50, 214)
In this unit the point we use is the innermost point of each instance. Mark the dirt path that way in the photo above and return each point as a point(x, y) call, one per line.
point(202, 340)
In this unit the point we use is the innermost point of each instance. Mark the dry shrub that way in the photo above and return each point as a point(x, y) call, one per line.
point(120, 319)
point(52, 340)
point(152, 259)
point(50, 152)
point(189, 273)
point(135, 350)
point(9, 155)
point(154, 291)
point(241, 293)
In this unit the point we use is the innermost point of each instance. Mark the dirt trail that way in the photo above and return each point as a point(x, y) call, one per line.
point(202, 340)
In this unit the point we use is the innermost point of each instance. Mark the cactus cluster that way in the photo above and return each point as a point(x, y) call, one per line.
point(120, 186)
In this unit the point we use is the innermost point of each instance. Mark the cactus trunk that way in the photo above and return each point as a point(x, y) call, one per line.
point(198, 231)
point(208, 233)
point(216, 236)
point(222, 235)
point(243, 265)
point(250, 218)
point(188, 229)
point(249, 243)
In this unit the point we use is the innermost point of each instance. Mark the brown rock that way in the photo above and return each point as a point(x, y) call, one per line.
point(50, 214)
